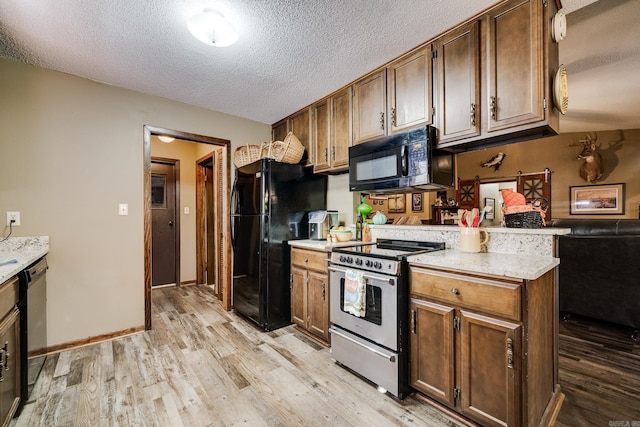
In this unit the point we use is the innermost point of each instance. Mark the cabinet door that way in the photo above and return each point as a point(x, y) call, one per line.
point(458, 82)
point(468, 194)
point(318, 304)
point(300, 125)
point(369, 106)
point(341, 134)
point(515, 60)
point(9, 368)
point(410, 90)
point(432, 350)
point(299, 296)
point(490, 369)
point(279, 130)
point(320, 114)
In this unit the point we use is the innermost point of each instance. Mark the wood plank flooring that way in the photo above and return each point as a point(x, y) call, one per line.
point(201, 366)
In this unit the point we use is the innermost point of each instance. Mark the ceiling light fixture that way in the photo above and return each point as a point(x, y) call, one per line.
point(210, 27)
point(165, 138)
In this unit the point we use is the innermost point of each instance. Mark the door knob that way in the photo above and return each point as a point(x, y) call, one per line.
point(170, 223)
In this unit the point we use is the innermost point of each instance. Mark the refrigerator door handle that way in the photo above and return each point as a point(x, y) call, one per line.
point(234, 207)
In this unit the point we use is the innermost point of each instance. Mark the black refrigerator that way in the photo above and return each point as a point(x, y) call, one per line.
point(270, 202)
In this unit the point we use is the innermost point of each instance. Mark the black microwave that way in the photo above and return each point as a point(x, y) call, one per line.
point(402, 162)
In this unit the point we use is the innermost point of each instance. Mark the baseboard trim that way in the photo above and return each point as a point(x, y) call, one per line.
point(88, 341)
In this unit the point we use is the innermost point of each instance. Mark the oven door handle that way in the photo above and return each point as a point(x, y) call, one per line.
point(390, 358)
point(367, 275)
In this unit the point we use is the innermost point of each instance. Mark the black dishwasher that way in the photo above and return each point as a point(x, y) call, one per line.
point(33, 325)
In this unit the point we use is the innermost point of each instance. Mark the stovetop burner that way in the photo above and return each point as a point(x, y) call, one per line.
point(391, 248)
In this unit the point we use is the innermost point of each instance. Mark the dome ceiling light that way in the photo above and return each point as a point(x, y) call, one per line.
point(210, 27)
point(165, 138)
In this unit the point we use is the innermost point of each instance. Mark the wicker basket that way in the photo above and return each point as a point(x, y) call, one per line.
point(248, 154)
point(290, 150)
point(526, 216)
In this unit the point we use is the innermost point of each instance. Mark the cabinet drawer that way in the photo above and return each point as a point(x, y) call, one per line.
point(8, 295)
point(314, 260)
point(487, 295)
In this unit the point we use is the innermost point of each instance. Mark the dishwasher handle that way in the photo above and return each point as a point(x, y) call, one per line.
point(37, 270)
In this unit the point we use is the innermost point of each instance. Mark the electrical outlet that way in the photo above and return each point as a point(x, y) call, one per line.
point(15, 216)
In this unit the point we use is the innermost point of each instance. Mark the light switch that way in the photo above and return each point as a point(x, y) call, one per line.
point(123, 209)
point(186, 210)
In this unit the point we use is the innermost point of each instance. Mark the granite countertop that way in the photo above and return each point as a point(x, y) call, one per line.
point(20, 252)
point(322, 245)
point(497, 264)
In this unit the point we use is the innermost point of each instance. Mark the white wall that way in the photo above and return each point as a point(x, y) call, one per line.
point(71, 151)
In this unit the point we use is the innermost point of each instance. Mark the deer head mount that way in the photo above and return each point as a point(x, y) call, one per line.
point(592, 167)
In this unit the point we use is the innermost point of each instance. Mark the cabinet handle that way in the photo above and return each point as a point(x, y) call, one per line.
point(323, 291)
point(382, 121)
point(473, 114)
point(306, 260)
point(492, 108)
point(333, 153)
point(1, 364)
point(509, 353)
point(413, 321)
point(393, 117)
point(326, 154)
point(455, 291)
point(6, 355)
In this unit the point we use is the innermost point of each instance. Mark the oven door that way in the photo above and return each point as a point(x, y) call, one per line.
point(380, 323)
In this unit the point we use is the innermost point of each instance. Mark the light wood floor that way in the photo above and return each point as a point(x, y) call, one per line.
point(201, 366)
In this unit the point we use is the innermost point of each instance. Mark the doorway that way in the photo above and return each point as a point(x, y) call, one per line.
point(165, 223)
point(222, 209)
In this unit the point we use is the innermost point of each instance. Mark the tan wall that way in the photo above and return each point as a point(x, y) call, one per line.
point(621, 164)
point(71, 151)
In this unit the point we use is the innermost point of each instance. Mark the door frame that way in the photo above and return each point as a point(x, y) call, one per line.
point(224, 210)
point(176, 184)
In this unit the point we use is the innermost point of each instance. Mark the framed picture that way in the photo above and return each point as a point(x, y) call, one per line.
point(416, 202)
point(396, 203)
point(489, 208)
point(607, 199)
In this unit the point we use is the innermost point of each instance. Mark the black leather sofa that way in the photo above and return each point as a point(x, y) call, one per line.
point(599, 273)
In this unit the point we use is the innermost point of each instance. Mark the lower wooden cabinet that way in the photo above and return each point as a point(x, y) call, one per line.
point(310, 292)
point(484, 346)
point(9, 351)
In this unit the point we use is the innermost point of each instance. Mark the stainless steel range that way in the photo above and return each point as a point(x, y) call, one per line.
point(369, 298)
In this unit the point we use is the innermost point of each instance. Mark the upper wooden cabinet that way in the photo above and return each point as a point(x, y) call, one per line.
point(300, 125)
point(394, 98)
point(409, 83)
point(510, 52)
point(331, 132)
point(458, 84)
point(279, 130)
point(369, 107)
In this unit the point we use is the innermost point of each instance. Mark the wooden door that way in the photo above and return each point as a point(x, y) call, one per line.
point(318, 304)
point(468, 194)
point(515, 64)
point(410, 91)
point(458, 84)
point(490, 370)
point(164, 223)
point(341, 133)
point(369, 106)
point(299, 296)
point(431, 343)
point(320, 114)
point(300, 125)
point(534, 187)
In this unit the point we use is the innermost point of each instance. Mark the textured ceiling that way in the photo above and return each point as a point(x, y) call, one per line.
point(290, 53)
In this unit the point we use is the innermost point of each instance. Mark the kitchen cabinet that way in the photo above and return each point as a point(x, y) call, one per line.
point(279, 130)
point(485, 346)
point(332, 135)
point(511, 48)
point(310, 292)
point(394, 98)
point(9, 351)
point(300, 124)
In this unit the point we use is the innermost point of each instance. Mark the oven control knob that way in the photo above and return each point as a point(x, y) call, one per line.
point(343, 258)
point(368, 263)
point(377, 265)
point(350, 260)
point(358, 261)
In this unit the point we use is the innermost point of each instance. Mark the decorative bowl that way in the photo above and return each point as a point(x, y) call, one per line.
point(341, 235)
